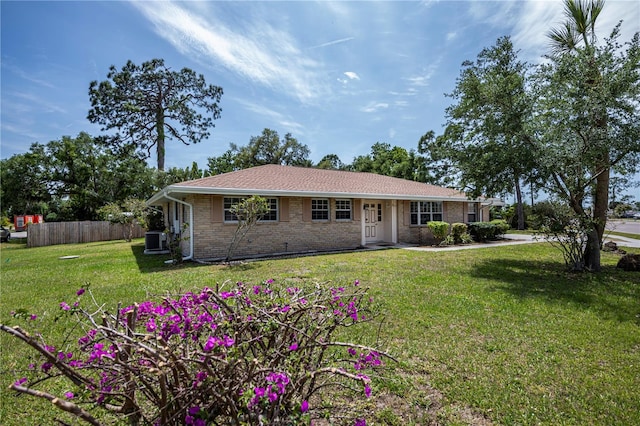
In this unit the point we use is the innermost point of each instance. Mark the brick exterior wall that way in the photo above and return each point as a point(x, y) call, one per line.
point(452, 212)
point(212, 235)
point(295, 232)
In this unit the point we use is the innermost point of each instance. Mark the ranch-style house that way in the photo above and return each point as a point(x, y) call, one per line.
point(310, 210)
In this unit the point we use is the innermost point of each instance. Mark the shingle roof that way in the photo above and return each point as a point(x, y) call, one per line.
point(287, 180)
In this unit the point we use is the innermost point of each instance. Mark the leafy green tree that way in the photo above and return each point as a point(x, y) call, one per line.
point(223, 164)
point(88, 175)
point(362, 163)
point(331, 162)
point(131, 212)
point(587, 119)
point(388, 161)
point(268, 148)
point(486, 148)
point(435, 166)
point(147, 103)
point(24, 183)
point(71, 178)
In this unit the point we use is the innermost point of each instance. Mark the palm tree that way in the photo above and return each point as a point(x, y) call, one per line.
point(578, 28)
point(577, 35)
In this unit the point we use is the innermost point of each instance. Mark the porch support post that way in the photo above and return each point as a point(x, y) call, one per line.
point(363, 213)
point(394, 221)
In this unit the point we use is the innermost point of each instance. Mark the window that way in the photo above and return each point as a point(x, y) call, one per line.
point(343, 209)
point(320, 209)
point(425, 211)
point(228, 202)
point(472, 212)
point(271, 216)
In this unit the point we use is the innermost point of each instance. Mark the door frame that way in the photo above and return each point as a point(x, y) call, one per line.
point(388, 224)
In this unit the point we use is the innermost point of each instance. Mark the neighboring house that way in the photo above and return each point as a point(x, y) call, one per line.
point(311, 210)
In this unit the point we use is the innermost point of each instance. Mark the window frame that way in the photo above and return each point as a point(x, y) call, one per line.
point(340, 209)
point(423, 212)
point(316, 211)
point(229, 217)
point(472, 210)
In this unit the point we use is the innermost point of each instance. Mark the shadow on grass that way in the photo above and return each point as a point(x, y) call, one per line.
point(150, 263)
point(612, 293)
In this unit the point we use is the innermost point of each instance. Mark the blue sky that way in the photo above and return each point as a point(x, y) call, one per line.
point(339, 76)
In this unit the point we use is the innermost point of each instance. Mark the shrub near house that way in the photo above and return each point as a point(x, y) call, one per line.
point(487, 231)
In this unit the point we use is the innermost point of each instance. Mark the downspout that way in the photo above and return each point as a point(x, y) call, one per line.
point(168, 197)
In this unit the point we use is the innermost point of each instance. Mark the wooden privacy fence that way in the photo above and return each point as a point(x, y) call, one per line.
point(52, 233)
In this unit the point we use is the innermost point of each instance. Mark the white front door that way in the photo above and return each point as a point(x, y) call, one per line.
point(373, 227)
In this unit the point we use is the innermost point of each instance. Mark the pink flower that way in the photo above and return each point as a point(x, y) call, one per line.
point(80, 292)
point(21, 382)
point(64, 306)
point(212, 342)
point(228, 341)
point(151, 325)
point(69, 395)
point(293, 347)
point(304, 407)
point(367, 390)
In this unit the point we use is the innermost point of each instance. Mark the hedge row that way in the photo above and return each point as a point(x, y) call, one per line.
point(460, 233)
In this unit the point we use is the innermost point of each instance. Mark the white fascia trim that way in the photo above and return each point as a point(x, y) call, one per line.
point(285, 193)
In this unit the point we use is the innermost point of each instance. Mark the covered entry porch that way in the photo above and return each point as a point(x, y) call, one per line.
point(379, 222)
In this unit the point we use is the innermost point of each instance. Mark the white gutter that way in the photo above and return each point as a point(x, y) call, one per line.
point(296, 193)
point(168, 197)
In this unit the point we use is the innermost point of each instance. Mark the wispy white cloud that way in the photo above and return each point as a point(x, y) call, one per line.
point(352, 75)
point(535, 19)
point(256, 51)
point(26, 76)
point(424, 78)
point(29, 103)
point(421, 80)
point(285, 123)
point(331, 43)
point(374, 107)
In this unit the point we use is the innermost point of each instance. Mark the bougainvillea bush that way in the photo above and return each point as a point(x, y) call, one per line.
point(243, 355)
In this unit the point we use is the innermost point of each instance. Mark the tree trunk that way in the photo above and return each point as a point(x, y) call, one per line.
point(520, 208)
point(160, 138)
point(601, 202)
point(591, 255)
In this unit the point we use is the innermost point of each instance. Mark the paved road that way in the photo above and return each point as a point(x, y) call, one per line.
point(628, 226)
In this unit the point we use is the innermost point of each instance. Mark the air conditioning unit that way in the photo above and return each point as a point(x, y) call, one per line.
point(155, 241)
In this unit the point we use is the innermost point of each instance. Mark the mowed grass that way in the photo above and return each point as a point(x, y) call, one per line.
point(493, 336)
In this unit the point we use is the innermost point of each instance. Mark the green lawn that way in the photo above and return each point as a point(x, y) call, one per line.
point(493, 336)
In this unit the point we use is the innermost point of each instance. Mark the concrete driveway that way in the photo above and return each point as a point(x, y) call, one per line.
point(516, 239)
